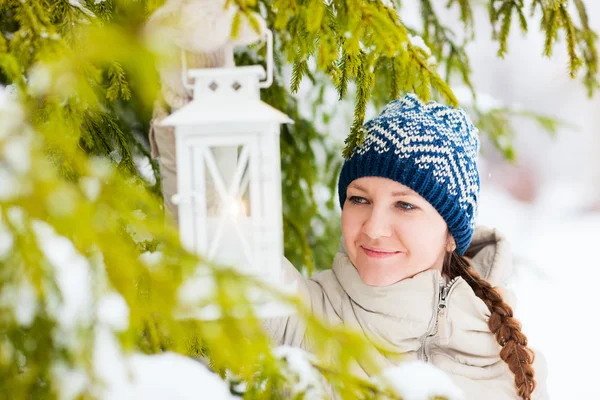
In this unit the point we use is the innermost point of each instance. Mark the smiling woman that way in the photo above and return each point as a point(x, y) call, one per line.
point(409, 196)
point(390, 232)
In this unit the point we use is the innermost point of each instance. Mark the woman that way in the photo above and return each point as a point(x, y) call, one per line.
point(405, 274)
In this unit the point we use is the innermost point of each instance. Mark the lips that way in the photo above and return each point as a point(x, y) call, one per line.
point(379, 253)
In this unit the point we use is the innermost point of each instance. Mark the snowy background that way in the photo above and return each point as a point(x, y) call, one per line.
point(555, 235)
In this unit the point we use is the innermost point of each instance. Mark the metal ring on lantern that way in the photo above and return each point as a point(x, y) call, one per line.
point(266, 83)
point(262, 84)
point(184, 72)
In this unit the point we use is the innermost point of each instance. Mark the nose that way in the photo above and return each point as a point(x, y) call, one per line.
point(377, 224)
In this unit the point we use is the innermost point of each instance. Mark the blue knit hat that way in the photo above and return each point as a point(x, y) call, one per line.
point(432, 149)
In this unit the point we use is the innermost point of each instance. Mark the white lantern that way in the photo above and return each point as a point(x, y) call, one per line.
point(229, 171)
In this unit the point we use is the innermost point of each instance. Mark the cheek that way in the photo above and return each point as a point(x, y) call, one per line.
point(422, 237)
point(351, 226)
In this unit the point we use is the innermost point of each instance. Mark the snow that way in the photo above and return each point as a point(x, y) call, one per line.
point(196, 290)
point(417, 380)
point(555, 281)
point(39, 80)
point(300, 373)
point(22, 299)
point(137, 232)
point(109, 366)
point(113, 312)
point(99, 168)
point(152, 377)
point(26, 302)
point(173, 376)
point(10, 186)
point(14, 148)
point(417, 41)
point(388, 3)
point(133, 376)
point(16, 153)
point(71, 381)
point(145, 169)
point(151, 259)
point(78, 5)
point(73, 306)
point(91, 187)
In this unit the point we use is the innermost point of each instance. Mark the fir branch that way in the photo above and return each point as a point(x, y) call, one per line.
point(363, 386)
point(118, 86)
point(551, 25)
point(364, 83)
point(588, 38)
point(574, 60)
point(438, 36)
point(466, 14)
point(505, 14)
point(156, 187)
point(316, 9)
point(522, 19)
point(554, 16)
point(534, 5)
point(342, 85)
point(299, 69)
point(104, 135)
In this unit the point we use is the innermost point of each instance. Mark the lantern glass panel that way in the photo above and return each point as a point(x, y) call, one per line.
point(229, 208)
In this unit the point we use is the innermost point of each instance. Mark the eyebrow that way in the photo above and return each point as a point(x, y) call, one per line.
point(397, 193)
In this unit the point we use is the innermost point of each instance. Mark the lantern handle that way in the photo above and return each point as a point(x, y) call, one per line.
point(269, 61)
point(184, 72)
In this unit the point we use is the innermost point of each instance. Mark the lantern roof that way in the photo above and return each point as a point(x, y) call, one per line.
point(226, 95)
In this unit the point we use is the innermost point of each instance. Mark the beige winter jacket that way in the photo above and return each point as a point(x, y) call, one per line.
point(406, 322)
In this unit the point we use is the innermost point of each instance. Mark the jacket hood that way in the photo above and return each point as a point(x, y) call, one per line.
point(491, 255)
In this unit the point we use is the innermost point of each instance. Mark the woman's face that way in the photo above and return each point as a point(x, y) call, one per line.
point(391, 233)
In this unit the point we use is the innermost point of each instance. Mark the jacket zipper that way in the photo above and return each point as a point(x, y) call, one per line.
point(442, 305)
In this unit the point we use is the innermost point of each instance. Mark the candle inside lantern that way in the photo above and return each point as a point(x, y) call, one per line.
point(231, 244)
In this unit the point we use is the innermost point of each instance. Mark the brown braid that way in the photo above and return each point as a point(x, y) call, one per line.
point(501, 323)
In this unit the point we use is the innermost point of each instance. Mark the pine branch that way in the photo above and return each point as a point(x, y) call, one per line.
point(588, 39)
point(365, 80)
point(299, 69)
point(438, 37)
point(574, 60)
point(118, 86)
point(342, 85)
point(366, 388)
point(466, 14)
point(554, 16)
point(552, 24)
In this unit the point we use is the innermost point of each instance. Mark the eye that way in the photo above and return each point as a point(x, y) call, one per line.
point(405, 206)
point(358, 200)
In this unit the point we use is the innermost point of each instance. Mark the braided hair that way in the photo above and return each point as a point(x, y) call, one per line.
point(501, 322)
